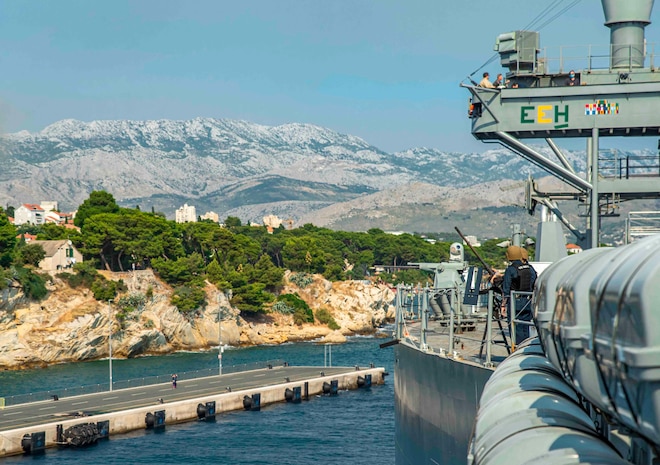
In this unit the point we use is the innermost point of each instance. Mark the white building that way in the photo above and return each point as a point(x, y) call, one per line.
point(59, 255)
point(213, 216)
point(272, 220)
point(49, 205)
point(474, 242)
point(186, 214)
point(28, 213)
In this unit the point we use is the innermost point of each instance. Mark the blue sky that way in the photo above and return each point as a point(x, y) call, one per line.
point(384, 70)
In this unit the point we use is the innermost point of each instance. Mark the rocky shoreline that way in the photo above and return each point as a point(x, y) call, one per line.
point(71, 326)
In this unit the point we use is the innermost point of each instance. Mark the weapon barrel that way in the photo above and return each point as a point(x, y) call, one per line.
point(486, 266)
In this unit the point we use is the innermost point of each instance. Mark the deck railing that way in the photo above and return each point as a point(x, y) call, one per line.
point(415, 319)
point(562, 59)
point(627, 166)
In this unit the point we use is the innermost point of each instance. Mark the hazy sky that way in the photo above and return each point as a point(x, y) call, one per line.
point(384, 70)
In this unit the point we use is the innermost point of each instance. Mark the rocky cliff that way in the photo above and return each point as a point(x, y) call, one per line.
point(70, 325)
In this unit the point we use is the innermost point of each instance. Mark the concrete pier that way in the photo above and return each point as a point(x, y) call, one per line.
point(126, 410)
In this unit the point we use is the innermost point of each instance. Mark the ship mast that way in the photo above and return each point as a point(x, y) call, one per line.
point(616, 93)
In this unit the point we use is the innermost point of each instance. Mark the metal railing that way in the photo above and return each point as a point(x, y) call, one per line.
point(641, 224)
point(559, 60)
point(628, 166)
point(516, 320)
point(130, 383)
point(414, 305)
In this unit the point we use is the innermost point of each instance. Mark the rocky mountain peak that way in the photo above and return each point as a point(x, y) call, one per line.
point(238, 168)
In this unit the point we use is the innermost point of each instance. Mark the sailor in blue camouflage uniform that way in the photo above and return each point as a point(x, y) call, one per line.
point(519, 276)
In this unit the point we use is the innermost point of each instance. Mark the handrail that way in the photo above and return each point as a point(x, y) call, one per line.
point(588, 57)
point(412, 323)
point(517, 321)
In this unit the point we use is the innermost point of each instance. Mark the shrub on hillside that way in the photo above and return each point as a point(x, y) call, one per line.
point(326, 318)
point(72, 279)
point(301, 311)
point(129, 306)
point(33, 284)
point(87, 273)
point(282, 307)
point(5, 278)
point(132, 302)
point(302, 280)
point(103, 289)
point(300, 317)
point(31, 254)
point(188, 299)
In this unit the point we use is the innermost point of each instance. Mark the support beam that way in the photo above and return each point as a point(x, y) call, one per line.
point(560, 155)
point(595, 223)
point(538, 159)
point(579, 235)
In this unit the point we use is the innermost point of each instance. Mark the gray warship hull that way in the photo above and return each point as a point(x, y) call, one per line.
point(436, 402)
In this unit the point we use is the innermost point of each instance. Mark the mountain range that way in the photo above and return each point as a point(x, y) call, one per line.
point(299, 171)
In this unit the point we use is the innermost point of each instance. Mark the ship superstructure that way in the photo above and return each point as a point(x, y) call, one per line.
point(438, 378)
point(615, 92)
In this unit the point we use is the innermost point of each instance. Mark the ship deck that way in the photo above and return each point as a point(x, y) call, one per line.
point(471, 336)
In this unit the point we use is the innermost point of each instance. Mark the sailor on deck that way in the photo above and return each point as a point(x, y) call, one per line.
point(519, 276)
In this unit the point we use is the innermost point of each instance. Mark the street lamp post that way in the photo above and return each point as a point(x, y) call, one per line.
point(221, 314)
point(110, 339)
point(220, 350)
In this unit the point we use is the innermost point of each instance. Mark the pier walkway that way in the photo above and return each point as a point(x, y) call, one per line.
point(126, 408)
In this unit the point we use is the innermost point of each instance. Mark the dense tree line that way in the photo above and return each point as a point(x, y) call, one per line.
point(246, 260)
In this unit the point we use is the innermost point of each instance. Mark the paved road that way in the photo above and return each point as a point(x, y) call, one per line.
point(18, 416)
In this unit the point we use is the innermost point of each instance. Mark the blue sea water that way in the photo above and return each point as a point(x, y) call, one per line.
point(353, 427)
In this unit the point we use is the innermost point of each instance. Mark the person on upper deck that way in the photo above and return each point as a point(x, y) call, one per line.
point(518, 276)
point(500, 83)
point(571, 80)
point(485, 82)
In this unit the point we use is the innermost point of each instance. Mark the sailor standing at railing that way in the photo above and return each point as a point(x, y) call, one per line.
point(485, 82)
point(518, 276)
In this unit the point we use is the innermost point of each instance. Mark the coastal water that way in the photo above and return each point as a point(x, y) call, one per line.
point(353, 427)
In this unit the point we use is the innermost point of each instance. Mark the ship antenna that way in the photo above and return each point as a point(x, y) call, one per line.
point(541, 16)
point(568, 7)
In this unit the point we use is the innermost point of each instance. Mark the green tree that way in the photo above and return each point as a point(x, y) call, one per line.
point(187, 299)
point(31, 254)
point(183, 270)
point(129, 236)
point(54, 232)
point(139, 236)
point(98, 234)
point(28, 228)
point(303, 254)
point(214, 272)
point(7, 240)
point(98, 202)
point(265, 272)
point(232, 222)
point(251, 297)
